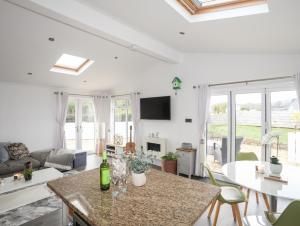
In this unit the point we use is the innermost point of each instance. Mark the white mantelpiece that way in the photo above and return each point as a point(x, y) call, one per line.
point(154, 143)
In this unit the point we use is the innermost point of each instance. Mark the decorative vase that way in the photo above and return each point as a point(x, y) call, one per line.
point(276, 168)
point(138, 179)
point(169, 166)
point(27, 171)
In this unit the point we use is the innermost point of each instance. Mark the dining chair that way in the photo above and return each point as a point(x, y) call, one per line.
point(251, 156)
point(229, 195)
point(289, 217)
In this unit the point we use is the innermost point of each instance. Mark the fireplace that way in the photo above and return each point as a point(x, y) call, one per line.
point(153, 146)
point(157, 145)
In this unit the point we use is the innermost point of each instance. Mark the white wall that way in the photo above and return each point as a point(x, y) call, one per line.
point(27, 115)
point(203, 68)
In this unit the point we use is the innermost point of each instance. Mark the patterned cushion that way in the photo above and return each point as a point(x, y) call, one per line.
point(17, 151)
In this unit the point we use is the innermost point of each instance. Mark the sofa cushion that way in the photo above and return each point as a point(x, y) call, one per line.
point(3, 152)
point(4, 169)
point(17, 151)
point(41, 155)
point(18, 165)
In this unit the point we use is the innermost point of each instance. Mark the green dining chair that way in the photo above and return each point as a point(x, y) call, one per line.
point(251, 156)
point(229, 195)
point(289, 217)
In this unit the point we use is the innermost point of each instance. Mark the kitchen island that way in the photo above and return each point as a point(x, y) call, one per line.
point(166, 199)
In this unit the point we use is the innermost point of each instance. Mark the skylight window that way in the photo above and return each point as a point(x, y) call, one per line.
point(69, 64)
point(203, 10)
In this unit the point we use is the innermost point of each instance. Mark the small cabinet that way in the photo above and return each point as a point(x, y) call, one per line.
point(186, 161)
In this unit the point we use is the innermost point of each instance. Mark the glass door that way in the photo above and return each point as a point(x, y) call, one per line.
point(285, 123)
point(87, 125)
point(80, 129)
point(71, 125)
point(218, 151)
point(249, 123)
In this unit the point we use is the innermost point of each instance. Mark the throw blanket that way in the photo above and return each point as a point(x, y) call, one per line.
point(60, 159)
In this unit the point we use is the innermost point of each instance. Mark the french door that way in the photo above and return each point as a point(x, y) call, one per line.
point(80, 124)
point(239, 119)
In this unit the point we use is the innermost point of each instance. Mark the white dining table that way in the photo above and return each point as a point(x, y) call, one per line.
point(244, 173)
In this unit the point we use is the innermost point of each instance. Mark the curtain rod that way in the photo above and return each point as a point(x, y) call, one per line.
point(246, 81)
point(75, 94)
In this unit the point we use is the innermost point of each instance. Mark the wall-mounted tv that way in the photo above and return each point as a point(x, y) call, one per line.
point(156, 108)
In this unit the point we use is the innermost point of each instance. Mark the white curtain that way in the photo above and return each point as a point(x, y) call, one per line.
point(135, 106)
point(297, 85)
point(102, 110)
point(203, 102)
point(61, 106)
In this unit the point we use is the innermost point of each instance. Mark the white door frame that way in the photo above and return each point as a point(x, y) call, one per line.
point(78, 120)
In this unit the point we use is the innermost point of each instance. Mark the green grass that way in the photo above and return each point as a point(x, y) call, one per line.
point(248, 132)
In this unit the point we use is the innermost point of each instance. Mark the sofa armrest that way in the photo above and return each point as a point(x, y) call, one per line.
point(41, 155)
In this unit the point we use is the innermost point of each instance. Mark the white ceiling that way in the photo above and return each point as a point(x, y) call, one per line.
point(275, 32)
point(25, 48)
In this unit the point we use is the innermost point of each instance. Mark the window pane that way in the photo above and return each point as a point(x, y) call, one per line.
point(71, 112)
point(122, 118)
point(88, 126)
point(285, 121)
point(248, 123)
point(217, 133)
point(70, 126)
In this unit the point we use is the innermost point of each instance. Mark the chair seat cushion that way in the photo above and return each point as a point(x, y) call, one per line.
point(271, 217)
point(231, 195)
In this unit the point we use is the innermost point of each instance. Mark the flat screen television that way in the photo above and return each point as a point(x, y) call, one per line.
point(156, 108)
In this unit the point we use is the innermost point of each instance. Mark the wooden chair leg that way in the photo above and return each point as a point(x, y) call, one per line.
point(233, 213)
point(257, 198)
point(217, 213)
point(211, 208)
point(266, 201)
point(238, 215)
point(247, 201)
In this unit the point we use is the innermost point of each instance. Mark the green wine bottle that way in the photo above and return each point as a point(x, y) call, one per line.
point(104, 173)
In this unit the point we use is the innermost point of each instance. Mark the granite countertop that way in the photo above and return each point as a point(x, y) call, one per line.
point(166, 199)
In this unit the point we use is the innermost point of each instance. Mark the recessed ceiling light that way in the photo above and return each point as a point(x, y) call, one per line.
point(51, 39)
point(29, 73)
point(182, 33)
point(73, 65)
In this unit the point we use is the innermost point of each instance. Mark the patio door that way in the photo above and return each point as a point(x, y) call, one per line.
point(248, 123)
point(284, 121)
point(80, 124)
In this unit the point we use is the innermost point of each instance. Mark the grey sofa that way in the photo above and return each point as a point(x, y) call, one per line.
point(9, 167)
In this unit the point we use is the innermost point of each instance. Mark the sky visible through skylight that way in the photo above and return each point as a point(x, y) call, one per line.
point(70, 61)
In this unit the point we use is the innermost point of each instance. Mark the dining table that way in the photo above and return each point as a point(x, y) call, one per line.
point(244, 173)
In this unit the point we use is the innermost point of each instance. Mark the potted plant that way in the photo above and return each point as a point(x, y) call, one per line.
point(169, 162)
point(139, 165)
point(27, 171)
point(275, 165)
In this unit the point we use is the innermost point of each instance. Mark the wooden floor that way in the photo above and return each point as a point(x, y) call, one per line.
point(225, 216)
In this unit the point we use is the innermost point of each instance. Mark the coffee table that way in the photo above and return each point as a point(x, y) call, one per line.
point(14, 194)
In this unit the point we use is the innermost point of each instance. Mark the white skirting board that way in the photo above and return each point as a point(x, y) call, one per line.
point(24, 197)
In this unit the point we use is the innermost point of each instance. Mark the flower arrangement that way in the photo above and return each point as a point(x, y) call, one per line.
point(141, 162)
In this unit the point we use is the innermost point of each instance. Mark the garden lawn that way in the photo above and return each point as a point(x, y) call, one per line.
point(249, 132)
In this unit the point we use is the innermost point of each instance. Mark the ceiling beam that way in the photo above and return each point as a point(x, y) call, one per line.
point(89, 20)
